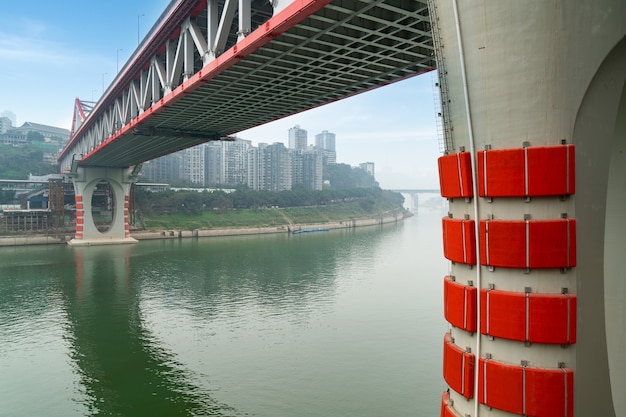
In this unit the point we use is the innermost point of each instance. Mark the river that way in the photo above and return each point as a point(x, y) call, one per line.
point(343, 323)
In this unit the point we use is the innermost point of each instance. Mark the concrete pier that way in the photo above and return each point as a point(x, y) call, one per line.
point(521, 75)
point(119, 181)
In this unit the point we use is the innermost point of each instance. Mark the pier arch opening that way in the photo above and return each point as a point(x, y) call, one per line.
point(614, 250)
point(103, 204)
point(600, 138)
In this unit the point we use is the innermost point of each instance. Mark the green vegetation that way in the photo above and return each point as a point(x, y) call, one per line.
point(345, 177)
point(186, 210)
point(17, 162)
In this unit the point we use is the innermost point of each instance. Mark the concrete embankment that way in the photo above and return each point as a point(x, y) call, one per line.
point(179, 234)
point(344, 224)
point(33, 240)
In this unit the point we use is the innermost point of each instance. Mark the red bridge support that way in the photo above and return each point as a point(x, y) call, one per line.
point(119, 182)
point(532, 318)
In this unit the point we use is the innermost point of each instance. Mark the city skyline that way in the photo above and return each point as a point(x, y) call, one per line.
point(52, 53)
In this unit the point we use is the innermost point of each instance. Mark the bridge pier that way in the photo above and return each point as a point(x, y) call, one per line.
point(85, 180)
point(534, 102)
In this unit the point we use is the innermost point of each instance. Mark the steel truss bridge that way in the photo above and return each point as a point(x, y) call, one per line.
point(210, 69)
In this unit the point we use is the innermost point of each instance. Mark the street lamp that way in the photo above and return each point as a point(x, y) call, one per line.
point(138, 16)
point(103, 74)
point(117, 59)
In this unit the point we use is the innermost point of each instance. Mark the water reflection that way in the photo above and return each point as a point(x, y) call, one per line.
point(280, 325)
point(281, 274)
point(123, 370)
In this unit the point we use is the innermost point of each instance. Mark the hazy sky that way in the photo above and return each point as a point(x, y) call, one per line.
point(53, 52)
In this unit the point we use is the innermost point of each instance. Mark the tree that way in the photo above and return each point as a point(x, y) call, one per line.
point(17, 162)
point(343, 176)
point(33, 136)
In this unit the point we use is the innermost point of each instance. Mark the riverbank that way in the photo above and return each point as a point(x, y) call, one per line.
point(389, 217)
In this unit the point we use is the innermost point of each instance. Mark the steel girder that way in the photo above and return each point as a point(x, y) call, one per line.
point(203, 75)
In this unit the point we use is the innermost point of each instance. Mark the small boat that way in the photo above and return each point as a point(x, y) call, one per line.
point(319, 229)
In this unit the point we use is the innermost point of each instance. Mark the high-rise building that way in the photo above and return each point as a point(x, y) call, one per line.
point(213, 163)
point(269, 167)
point(369, 167)
point(256, 172)
point(306, 168)
point(165, 169)
point(325, 142)
point(193, 164)
point(9, 115)
point(235, 161)
point(297, 138)
point(5, 124)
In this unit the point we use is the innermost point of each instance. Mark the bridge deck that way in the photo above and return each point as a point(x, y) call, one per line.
point(291, 63)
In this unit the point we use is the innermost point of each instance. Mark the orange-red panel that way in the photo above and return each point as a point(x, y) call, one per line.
point(459, 240)
point(503, 314)
point(455, 175)
point(528, 243)
point(458, 368)
point(552, 318)
point(501, 172)
point(500, 386)
point(536, 318)
point(549, 392)
point(502, 243)
point(446, 409)
point(528, 391)
point(532, 171)
point(551, 170)
point(552, 243)
point(459, 304)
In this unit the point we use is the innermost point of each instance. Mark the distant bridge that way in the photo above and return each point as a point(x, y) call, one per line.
point(416, 191)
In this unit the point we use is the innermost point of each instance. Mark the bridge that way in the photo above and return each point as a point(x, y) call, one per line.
point(533, 117)
point(414, 195)
point(203, 75)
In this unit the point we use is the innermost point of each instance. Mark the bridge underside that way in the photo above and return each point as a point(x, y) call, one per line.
point(344, 48)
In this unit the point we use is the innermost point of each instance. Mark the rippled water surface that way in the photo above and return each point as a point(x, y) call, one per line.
point(345, 323)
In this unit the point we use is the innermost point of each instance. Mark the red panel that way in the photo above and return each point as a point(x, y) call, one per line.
point(503, 314)
point(502, 243)
point(529, 391)
point(455, 175)
point(549, 392)
point(459, 240)
point(500, 386)
point(532, 171)
point(458, 368)
point(459, 304)
point(551, 170)
point(552, 243)
point(501, 172)
point(551, 317)
point(446, 410)
point(528, 244)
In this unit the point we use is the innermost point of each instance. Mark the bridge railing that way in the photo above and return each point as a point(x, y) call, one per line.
point(188, 36)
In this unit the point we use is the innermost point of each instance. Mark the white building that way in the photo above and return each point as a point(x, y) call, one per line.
point(325, 142)
point(235, 162)
point(269, 167)
point(306, 168)
point(297, 138)
point(369, 167)
point(193, 164)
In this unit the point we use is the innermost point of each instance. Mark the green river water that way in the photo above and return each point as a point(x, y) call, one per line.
point(344, 323)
